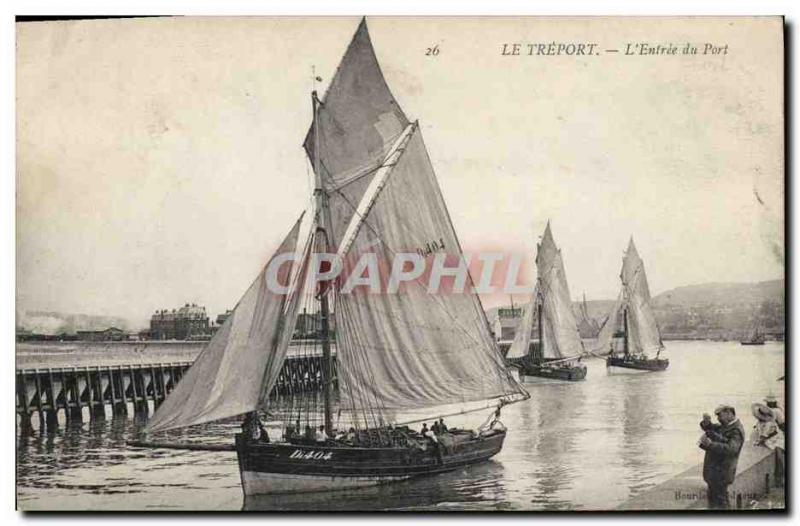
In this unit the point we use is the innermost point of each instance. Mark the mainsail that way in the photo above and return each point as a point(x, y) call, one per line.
point(410, 349)
point(634, 304)
point(237, 369)
point(561, 337)
point(413, 348)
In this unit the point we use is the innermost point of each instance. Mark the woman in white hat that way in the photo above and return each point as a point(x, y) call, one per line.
point(777, 412)
point(765, 432)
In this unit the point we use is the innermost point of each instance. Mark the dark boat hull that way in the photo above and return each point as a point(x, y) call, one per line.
point(640, 364)
point(297, 468)
point(569, 374)
point(752, 343)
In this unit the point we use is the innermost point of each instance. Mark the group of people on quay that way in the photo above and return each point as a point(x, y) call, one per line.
point(723, 443)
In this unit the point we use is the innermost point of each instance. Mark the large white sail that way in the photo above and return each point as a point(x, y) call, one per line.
point(414, 349)
point(633, 306)
point(356, 123)
point(238, 367)
point(561, 336)
point(644, 336)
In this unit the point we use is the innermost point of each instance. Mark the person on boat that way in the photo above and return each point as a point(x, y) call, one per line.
point(424, 431)
point(263, 436)
point(288, 434)
point(309, 434)
point(722, 443)
point(350, 438)
point(442, 427)
point(431, 436)
point(321, 435)
point(250, 426)
point(435, 428)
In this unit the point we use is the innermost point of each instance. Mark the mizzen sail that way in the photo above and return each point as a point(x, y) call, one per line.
point(236, 370)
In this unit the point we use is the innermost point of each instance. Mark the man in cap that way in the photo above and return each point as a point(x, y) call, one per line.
point(722, 443)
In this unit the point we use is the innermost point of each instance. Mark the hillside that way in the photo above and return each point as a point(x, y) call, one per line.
point(724, 294)
point(707, 311)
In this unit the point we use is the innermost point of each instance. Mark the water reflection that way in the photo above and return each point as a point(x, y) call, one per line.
point(477, 486)
point(558, 406)
point(642, 419)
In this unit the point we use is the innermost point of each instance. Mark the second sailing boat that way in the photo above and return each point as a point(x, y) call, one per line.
point(410, 351)
point(630, 334)
point(558, 349)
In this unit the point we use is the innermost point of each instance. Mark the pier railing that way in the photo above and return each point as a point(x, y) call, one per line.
point(46, 391)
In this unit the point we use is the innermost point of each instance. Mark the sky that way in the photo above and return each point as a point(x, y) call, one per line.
point(159, 161)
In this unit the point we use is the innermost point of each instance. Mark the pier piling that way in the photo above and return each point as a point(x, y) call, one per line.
point(47, 391)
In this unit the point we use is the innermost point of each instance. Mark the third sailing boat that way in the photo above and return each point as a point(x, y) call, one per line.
point(630, 334)
point(409, 352)
point(558, 349)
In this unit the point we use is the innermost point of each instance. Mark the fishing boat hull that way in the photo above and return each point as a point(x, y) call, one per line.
point(530, 373)
point(267, 468)
point(640, 364)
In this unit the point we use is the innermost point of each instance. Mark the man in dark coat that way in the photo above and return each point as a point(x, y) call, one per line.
point(722, 443)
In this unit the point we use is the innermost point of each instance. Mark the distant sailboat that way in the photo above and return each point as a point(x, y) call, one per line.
point(558, 349)
point(756, 335)
point(587, 326)
point(375, 192)
point(630, 333)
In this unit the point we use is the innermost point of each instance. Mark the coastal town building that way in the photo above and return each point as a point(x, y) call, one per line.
point(184, 323)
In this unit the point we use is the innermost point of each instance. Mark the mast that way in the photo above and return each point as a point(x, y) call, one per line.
point(540, 352)
point(321, 201)
point(625, 329)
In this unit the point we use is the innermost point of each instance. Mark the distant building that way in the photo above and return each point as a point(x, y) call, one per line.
point(187, 322)
point(106, 335)
point(505, 324)
point(221, 318)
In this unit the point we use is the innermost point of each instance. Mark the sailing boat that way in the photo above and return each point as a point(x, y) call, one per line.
point(558, 349)
point(756, 335)
point(587, 326)
point(398, 354)
point(630, 332)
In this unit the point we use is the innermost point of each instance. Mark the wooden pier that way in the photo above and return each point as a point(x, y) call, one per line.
point(46, 391)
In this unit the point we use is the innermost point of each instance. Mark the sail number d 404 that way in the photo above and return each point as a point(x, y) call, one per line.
point(311, 455)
